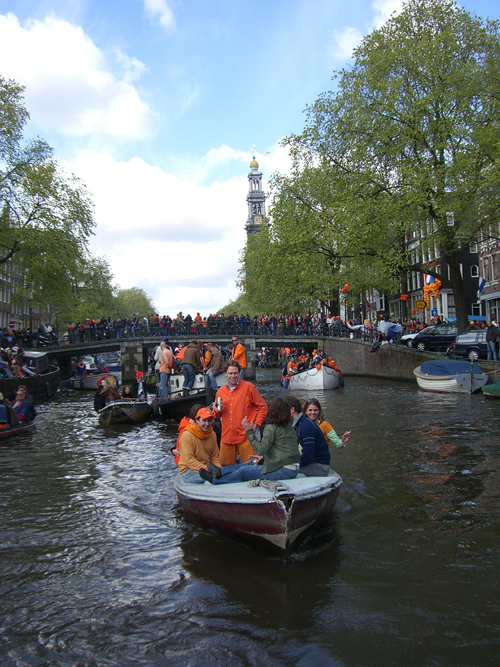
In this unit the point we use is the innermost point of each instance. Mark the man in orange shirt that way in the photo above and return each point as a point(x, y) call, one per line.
point(238, 354)
point(239, 399)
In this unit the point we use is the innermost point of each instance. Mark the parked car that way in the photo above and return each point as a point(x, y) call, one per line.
point(407, 338)
point(439, 338)
point(471, 344)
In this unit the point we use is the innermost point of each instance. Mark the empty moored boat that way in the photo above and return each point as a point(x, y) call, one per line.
point(450, 376)
point(125, 412)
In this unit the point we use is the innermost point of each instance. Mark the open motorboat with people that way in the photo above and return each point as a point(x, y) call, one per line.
point(450, 376)
point(86, 381)
point(42, 384)
point(6, 430)
point(271, 516)
point(177, 383)
point(125, 412)
point(316, 378)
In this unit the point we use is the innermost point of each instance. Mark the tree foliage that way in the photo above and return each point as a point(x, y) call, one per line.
point(408, 142)
point(133, 302)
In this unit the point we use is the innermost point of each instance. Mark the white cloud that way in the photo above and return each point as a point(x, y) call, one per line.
point(161, 10)
point(69, 87)
point(346, 40)
point(384, 10)
point(170, 235)
point(344, 43)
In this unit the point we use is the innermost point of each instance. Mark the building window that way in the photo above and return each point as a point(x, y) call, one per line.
point(476, 309)
point(486, 269)
point(452, 311)
point(494, 267)
point(474, 271)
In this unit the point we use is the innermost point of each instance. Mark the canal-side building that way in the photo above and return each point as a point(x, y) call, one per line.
point(488, 249)
point(256, 200)
point(15, 315)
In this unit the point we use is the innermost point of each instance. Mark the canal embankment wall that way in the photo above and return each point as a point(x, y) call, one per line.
point(354, 357)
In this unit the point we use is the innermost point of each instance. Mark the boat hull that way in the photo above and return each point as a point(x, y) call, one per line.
point(314, 379)
point(86, 381)
point(178, 407)
point(177, 383)
point(451, 384)
point(39, 386)
point(9, 431)
point(125, 412)
point(255, 515)
point(492, 389)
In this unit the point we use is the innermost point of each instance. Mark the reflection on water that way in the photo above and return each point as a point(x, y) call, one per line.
point(98, 566)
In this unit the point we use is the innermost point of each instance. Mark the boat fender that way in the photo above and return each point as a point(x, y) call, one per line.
point(341, 382)
point(48, 389)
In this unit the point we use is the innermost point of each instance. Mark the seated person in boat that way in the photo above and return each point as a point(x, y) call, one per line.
point(21, 364)
point(127, 393)
point(312, 410)
point(7, 415)
point(185, 421)
point(279, 447)
point(23, 407)
point(315, 456)
point(138, 388)
point(109, 391)
point(305, 363)
point(198, 446)
point(80, 369)
point(5, 364)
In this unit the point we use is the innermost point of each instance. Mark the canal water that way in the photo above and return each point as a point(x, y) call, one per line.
point(98, 566)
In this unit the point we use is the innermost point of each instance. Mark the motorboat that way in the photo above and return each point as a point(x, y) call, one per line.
point(41, 385)
point(314, 379)
point(270, 518)
point(177, 383)
point(86, 381)
point(7, 430)
point(125, 412)
point(111, 360)
point(450, 376)
point(492, 389)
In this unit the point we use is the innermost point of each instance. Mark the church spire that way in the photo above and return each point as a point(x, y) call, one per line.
point(256, 198)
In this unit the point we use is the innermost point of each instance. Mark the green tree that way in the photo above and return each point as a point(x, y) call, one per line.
point(45, 214)
point(413, 126)
point(133, 302)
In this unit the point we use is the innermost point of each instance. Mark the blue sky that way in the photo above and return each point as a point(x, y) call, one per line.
point(156, 104)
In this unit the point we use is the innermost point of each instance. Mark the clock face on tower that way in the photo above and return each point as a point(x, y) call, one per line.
point(257, 219)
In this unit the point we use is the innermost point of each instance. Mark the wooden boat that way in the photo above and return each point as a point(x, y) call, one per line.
point(272, 520)
point(492, 389)
point(178, 407)
point(9, 430)
point(86, 381)
point(450, 376)
point(42, 385)
point(314, 379)
point(125, 412)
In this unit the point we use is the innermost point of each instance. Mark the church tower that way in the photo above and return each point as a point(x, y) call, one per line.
point(256, 199)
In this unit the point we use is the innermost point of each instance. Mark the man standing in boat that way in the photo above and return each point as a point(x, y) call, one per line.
point(216, 367)
point(239, 399)
point(166, 365)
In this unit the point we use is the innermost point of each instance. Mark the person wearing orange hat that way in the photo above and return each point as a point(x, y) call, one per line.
point(198, 445)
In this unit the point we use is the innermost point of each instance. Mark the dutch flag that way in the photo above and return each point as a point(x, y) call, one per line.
point(428, 279)
point(482, 283)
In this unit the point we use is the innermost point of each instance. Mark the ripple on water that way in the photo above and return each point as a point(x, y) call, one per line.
point(99, 567)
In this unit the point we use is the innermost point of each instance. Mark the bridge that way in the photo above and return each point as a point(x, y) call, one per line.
point(134, 351)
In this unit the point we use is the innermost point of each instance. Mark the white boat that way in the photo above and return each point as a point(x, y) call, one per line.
point(450, 377)
point(315, 379)
point(87, 381)
point(269, 518)
point(177, 383)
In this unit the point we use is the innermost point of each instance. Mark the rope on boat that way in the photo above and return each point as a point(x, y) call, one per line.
point(275, 487)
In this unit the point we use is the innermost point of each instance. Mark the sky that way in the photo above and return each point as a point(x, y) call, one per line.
point(157, 104)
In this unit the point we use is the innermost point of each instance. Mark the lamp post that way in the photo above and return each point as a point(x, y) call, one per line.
point(57, 320)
